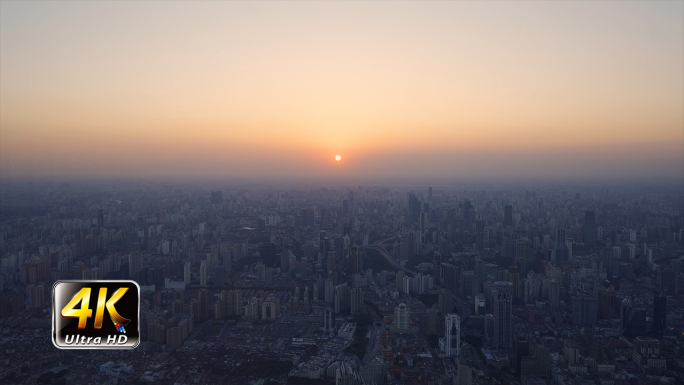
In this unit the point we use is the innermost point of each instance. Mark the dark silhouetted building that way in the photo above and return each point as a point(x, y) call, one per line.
point(414, 208)
point(636, 322)
point(521, 348)
point(584, 310)
point(508, 216)
point(268, 254)
point(100, 218)
point(217, 197)
point(562, 252)
point(659, 315)
point(503, 315)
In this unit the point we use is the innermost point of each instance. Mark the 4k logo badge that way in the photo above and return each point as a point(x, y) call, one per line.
point(96, 314)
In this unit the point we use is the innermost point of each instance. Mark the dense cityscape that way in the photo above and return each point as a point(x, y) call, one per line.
point(459, 284)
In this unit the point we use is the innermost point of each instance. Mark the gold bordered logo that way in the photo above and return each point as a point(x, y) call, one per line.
point(96, 314)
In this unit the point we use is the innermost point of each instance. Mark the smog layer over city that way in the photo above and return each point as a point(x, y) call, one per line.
point(342, 193)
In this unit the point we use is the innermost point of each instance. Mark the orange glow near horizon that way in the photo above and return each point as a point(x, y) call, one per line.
point(434, 89)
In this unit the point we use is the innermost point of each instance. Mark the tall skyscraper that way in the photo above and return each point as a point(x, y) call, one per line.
point(584, 310)
point(625, 309)
point(357, 298)
point(354, 260)
point(328, 321)
point(479, 234)
point(503, 317)
point(329, 291)
point(432, 321)
point(508, 216)
point(187, 274)
point(203, 273)
point(452, 336)
point(203, 304)
point(323, 243)
point(413, 208)
point(400, 281)
point(521, 348)
point(342, 298)
point(513, 276)
point(100, 218)
point(589, 226)
point(659, 315)
point(267, 252)
point(562, 252)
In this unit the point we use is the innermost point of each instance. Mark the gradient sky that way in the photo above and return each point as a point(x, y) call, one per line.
point(398, 89)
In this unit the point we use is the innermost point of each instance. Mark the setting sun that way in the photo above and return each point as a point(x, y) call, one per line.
point(338, 158)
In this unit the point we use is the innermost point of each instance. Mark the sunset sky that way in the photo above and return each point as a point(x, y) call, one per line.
point(397, 89)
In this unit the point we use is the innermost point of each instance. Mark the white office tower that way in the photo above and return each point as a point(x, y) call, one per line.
point(203, 274)
point(631, 248)
point(187, 274)
point(452, 340)
point(503, 317)
point(402, 318)
point(617, 252)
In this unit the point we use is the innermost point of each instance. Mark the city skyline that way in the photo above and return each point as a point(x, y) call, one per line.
point(399, 90)
point(342, 192)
